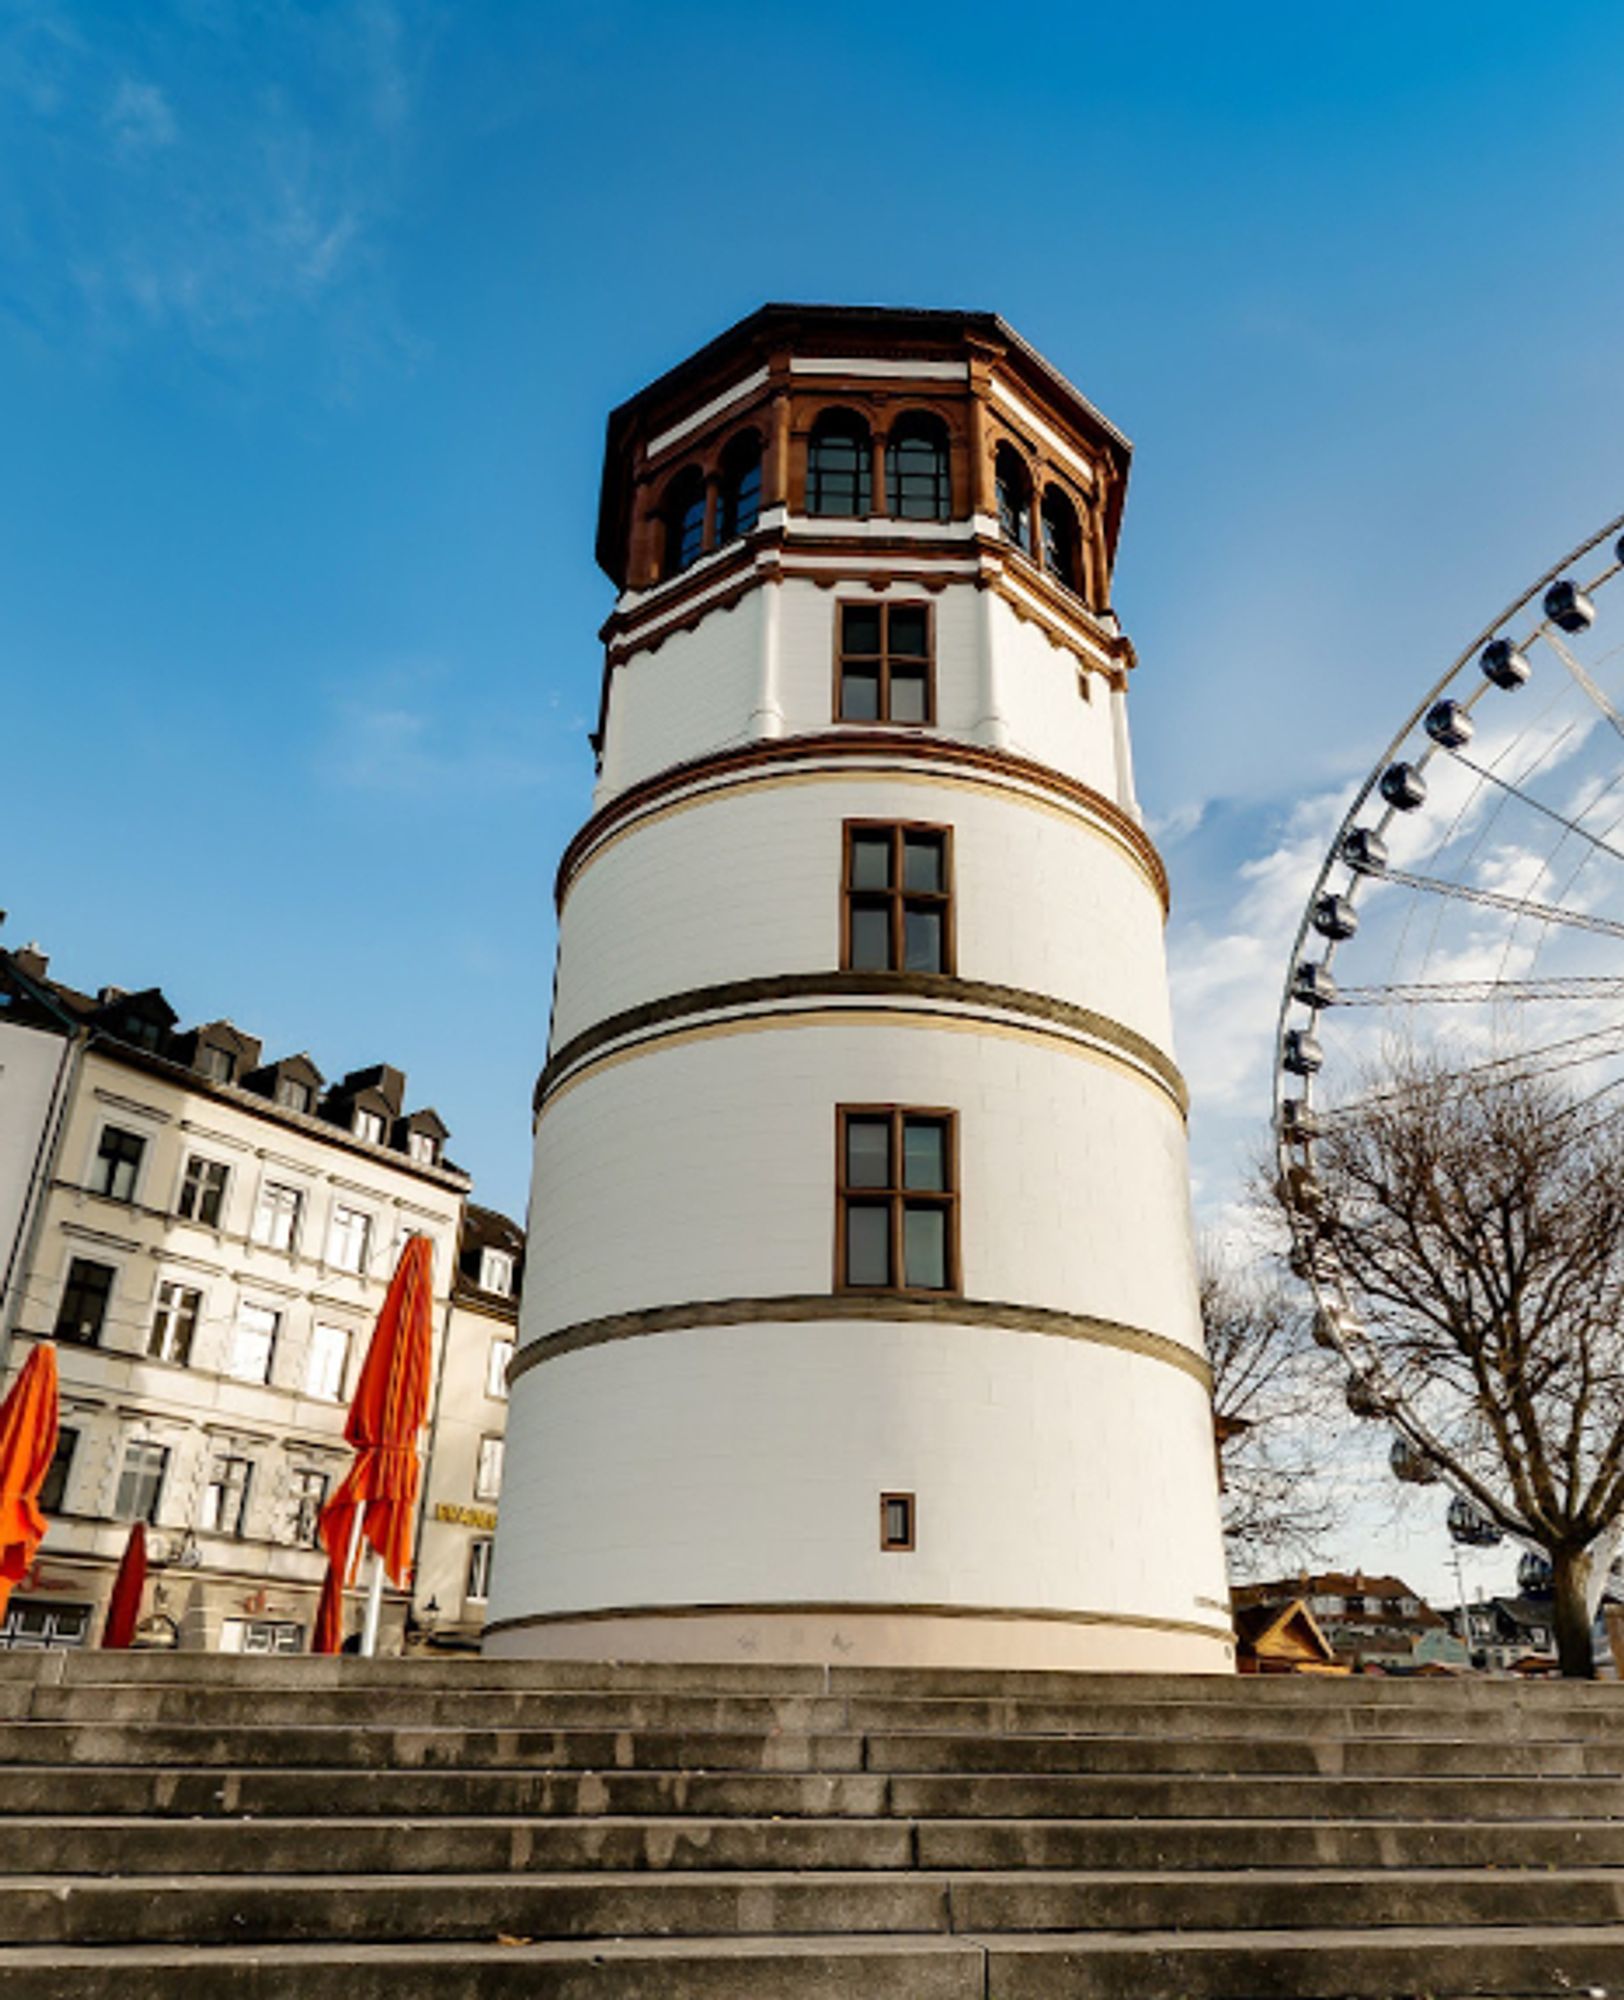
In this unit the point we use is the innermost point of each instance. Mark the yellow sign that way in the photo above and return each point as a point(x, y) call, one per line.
point(465, 1517)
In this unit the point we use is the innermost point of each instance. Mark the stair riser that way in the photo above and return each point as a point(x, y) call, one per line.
point(318, 1795)
point(248, 1847)
point(429, 1749)
point(1260, 1798)
point(144, 1912)
point(1224, 1721)
point(1040, 1755)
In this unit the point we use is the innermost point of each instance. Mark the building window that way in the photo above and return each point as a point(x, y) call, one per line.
point(253, 1342)
point(225, 1498)
point(174, 1323)
point(118, 1161)
point(203, 1191)
point(368, 1125)
point(423, 1147)
point(839, 465)
point(218, 1065)
point(84, 1301)
point(496, 1369)
point(684, 516)
point(35, 1626)
point(897, 1200)
point(488, 1474)
point(1013, 485)
point(496, 1272)
point(885, 663)
point(327, 1362)
point(261, 1635)
point(479, 1571)
point(896, 1521)
point(738, 501)
point(898, 898)
point(276, 1216)
point(917, 483)
point(53, 1492)
point(349, 1238)
point(141, 1482)
point(1061, 542)
point(291, 1094)
point(309, 1496)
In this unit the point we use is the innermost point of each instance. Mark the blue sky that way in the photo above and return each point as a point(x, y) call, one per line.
point(310, 317)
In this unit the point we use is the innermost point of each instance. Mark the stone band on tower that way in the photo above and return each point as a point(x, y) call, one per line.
point(861, 1315)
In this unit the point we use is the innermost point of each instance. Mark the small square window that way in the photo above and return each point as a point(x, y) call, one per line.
point(276, 1216)
point(291, 1094)
point(217, 1064)
point(83, 1310)
point(368, 1125)
point(174, 1323)
point(897, 901)
point(896, 1200)
point(884, 664)
point(203, 1191)
point(253, 1343)
point(897, 1521)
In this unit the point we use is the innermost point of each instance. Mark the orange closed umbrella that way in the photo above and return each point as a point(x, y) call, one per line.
point(328, 1635)
point(391, 1403)
point(124, 1606)
point(27, 1446)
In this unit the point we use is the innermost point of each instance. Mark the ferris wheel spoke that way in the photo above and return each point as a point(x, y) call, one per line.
point(1475, 992)
point(1562, 819)
point(1494, 899)
point(1584, 679)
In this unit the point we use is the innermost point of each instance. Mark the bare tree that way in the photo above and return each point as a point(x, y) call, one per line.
point(1269, 1390)
point(1476, 1218)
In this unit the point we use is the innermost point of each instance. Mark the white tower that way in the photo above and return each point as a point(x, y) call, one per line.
point(860, 1321)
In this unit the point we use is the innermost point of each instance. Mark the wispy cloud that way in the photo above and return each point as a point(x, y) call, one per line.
point(407, 734)
point(204, 172)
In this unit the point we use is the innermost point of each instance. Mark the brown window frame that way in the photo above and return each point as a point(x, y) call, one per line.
point(885, 659)
point(898, 896)
point(911, 1503)
point(898, 1198)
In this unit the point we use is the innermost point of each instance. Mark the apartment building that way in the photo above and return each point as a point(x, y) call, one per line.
point(207, 1230)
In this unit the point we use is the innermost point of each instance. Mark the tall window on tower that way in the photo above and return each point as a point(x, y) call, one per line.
point(897, 1200)
point(885, 665)
point(917, 486)
point(1014, 497)
point(1061, 542)
point(738, 499)
point(684, 521)
point(897, 906)
point(839, 465)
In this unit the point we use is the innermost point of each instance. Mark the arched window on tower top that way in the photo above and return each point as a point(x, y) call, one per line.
point(917, 482)
point(838, 465)
point(684, 515)
point(1061, 542)
point(1014, 497)
point(738, 502)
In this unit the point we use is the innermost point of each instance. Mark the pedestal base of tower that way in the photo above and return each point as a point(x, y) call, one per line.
point(873, 1635)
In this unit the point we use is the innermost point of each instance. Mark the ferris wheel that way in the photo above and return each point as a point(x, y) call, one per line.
point(1471, 903)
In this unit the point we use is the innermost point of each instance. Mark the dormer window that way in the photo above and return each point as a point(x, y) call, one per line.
point(738, 501)
point(423, 1147)
point(368, 1125)
point(496, 1272)
point(839, 465)
point(1014, 490)
point(292, 1095)
point(1061, 541)
point(684, 521)
point(917, 485)
point(217, 1064)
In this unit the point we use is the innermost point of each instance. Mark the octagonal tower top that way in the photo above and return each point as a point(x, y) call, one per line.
point(836, 412)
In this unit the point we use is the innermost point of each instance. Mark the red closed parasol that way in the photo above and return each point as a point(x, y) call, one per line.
point(124, 1606)
point(27, 1446)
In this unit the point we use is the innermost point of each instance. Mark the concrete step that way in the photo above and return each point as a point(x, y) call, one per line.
point(1252, 1797)
point(1192, 1719)
point(1282, 1755)
point(472, 1675)
point(127, 1845)
point(322, 1908)
point(389, 1748)
point(318, 1794)
point(1509, 1963)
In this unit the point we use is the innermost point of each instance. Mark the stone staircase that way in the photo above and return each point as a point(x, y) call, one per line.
point(340, 1829)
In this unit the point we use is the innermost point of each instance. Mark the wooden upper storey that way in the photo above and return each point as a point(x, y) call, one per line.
point(899, 423)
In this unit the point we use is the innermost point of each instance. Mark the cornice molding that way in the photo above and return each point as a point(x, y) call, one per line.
point(849, 744)
point(796, 1308)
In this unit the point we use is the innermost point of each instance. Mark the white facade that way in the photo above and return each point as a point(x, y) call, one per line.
point(717, 1410)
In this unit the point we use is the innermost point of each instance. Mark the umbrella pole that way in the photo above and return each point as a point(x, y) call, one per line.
point(369, 1631)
